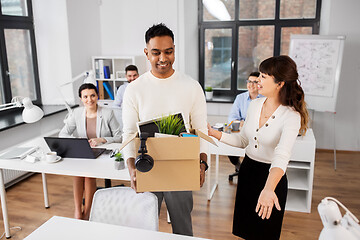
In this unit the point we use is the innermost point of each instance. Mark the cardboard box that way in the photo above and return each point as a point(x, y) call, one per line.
point(176, 163)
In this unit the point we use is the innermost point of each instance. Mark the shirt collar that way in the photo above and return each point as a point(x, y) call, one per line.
point(258, 96)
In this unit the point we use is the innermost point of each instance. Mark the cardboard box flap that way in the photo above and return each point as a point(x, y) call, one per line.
point(194, 131)
point(205, 137)
point(132, 137)
point(172, 148)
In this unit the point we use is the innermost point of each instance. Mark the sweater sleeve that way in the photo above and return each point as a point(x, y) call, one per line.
point(235, 139)
point(239, 139)
point(198, 116)
point(130, 117)
point(284, 148)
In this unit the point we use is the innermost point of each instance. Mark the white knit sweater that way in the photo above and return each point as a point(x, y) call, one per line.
point(273, 142)
point(149, 97)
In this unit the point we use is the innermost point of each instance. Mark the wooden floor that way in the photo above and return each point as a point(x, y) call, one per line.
point(210, 219)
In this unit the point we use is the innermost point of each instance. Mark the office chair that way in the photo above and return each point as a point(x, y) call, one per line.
point(236, 161)
point(236, 173)
point(123, 206)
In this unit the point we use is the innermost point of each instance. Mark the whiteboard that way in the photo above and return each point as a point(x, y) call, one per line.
point(318, 59)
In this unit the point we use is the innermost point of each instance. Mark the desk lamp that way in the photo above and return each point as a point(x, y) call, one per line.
point(87, 75)
point(30, 114)
point(88, 78)
point(337, 227)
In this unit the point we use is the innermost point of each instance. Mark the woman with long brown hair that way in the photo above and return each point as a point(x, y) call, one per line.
point(269, 133)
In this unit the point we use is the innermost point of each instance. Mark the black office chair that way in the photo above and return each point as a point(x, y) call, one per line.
point(236, 173)
point(236, 161)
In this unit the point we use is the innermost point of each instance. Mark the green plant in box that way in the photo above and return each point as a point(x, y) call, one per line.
point(172, 124)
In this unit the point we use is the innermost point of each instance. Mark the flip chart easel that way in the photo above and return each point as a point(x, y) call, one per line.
point(318, 60)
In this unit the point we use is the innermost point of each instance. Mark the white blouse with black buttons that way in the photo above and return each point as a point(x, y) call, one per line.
point(273, 142)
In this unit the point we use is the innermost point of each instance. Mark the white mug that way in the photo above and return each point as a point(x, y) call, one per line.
point(235, 125)
point(51, 156)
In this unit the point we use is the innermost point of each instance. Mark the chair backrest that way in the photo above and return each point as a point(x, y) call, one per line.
point(123, 206)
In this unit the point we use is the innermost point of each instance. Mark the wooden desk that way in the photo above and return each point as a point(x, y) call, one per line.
point(60, 228)
point(300, 171)
point(102, 167)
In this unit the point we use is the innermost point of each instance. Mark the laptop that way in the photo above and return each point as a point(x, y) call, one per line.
point(73, 147)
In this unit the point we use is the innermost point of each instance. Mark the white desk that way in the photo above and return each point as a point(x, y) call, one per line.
point(102, 167)
point(60, 228)
point(300, 171)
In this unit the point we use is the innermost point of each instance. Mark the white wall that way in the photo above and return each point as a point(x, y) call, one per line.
point(67, 35)
point(52, 43)
point(191, 38)
point(84, 32)
point(124, 23)
point(340, 18)
point(84, 36)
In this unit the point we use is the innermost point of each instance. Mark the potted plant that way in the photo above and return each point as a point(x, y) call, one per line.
point(209, 93)
point(170, 125)
point(119, 161)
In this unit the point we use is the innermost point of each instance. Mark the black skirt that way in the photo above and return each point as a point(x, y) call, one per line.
point(247, 224)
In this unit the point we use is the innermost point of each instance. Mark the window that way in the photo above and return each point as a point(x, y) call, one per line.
point(218, 52)
point(236, 35)
point(18, 63)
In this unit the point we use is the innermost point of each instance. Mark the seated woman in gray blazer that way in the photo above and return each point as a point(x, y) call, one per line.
point(100, 126)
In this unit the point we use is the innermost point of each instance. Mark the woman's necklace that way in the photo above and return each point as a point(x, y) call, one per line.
point(264, 112)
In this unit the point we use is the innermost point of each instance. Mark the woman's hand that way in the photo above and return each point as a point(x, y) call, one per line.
point(96, 141)
point(266, 202)
point(214, 133)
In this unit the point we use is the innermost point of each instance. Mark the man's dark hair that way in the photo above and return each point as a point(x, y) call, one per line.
point(158, 30)
point(87, 86)
point(131, 68)
point(254, 74)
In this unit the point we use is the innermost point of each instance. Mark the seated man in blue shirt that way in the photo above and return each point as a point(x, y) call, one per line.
point(240, 107)
point(131, 73)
